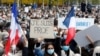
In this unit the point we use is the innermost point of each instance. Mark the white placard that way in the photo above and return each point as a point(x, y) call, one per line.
point(26, 9)
point(42, 28)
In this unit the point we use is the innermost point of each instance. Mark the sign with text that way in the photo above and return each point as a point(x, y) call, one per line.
point(82, 23)
point(41, 28)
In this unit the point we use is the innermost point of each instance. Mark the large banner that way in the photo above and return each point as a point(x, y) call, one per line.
point(42, 28)
point(83, 23)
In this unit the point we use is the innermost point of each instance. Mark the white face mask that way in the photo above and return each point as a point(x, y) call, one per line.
point(50, 51)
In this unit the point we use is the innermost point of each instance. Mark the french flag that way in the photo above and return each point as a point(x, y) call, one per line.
point(70, 23)
point(15, 31)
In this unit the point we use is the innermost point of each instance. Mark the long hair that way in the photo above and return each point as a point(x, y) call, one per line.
point(46, 48)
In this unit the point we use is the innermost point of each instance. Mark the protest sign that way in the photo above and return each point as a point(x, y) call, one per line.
point(41, 28)
point(93, 32)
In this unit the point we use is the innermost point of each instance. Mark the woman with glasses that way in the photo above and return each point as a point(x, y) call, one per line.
point(49, 50)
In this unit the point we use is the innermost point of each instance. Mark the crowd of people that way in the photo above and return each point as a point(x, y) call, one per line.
point(47, 47)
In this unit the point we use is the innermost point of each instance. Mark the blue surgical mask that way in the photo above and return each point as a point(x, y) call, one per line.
point(50, 51)
point(65, 48)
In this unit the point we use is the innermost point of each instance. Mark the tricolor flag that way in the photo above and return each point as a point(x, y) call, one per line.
point(70, 23)
point(15, 31)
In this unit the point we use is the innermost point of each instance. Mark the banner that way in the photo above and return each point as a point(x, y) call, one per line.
point(83, 23)
point(41, 28)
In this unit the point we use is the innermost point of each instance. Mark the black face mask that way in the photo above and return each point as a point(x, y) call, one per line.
point(97, 54)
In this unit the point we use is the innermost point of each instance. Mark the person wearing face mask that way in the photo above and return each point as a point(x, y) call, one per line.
point(66, 51)
point(49, 50)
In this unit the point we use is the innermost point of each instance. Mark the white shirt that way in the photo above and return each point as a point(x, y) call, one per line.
point(77, 54)
point(55, 54)
point(96, 50)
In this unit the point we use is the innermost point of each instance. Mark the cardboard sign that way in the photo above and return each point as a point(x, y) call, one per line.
point(93, 32)
point(42, 28)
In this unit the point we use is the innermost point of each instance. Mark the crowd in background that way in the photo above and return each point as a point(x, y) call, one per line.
point(47, 47)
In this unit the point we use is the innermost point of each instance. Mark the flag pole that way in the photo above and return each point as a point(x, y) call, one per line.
point(90, 39)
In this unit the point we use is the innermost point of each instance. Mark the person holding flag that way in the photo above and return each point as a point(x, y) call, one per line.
point(66, 44)
point(15, 32)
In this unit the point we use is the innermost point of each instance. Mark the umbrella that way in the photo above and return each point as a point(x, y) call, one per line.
point(93, 33)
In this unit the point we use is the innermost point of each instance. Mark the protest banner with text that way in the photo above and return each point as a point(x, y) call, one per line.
point(42, 28)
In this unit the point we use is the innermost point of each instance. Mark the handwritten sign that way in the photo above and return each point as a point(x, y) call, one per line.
point(41, 28)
